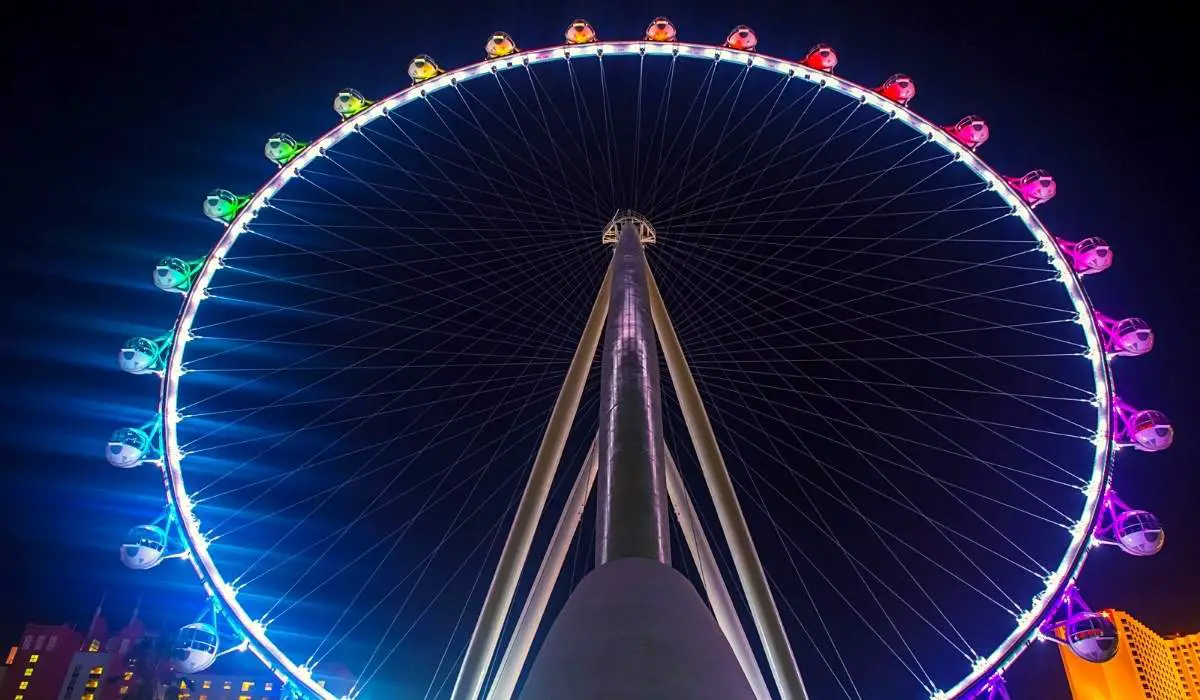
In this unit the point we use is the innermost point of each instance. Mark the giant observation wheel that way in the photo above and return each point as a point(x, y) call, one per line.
point(910, 384)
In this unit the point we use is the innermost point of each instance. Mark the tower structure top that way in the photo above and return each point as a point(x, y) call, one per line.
point(645, 229)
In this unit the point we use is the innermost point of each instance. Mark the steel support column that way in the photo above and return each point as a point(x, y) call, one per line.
point(714, 583)
point(482, 646)
point(513, 661)
point(632, 519)
point(729, 511)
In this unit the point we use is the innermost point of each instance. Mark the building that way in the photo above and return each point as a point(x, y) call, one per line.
point(57, 662)
point(40, 663)
point(113, 667)
point(1147, 666)
point(216, 686)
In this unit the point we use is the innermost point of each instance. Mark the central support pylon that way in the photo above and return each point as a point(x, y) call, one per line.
point(631, 488)
point(634, 628)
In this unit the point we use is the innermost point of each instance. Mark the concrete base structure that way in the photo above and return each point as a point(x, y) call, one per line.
point(635, 629)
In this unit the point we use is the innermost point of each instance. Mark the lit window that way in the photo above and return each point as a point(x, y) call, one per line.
point(88, 696)
point(12, 654)
point(228, 685)
point(124, 690)
point(94, 646)
point(33, 658)
point(28, 672)
point(23, 685)
point(244, 697)
point(202, 697)
point(93, 683)
point(128, 676)
point(19, 697)
point(206, 684)
point(183, 685)
point(97, 671)
point(268, 686)
point(247, 685)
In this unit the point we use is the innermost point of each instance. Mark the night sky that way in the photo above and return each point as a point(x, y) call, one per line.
point(123, 115)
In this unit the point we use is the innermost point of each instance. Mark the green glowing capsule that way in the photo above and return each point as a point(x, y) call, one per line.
point(223, 206)
point(141, 355)
point(349, 103)
point(281, 149)
point(175, 274)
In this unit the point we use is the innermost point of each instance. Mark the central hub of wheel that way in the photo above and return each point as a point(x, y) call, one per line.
point(645, 229)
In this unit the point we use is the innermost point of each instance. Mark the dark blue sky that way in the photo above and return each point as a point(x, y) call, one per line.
point(125, 114)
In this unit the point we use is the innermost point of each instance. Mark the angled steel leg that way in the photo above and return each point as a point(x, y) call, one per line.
point(733, 522)
point(513, 661)
point(714, 583)
point(482, 646)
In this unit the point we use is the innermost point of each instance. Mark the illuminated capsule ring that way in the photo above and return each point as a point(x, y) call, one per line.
point(362, 112)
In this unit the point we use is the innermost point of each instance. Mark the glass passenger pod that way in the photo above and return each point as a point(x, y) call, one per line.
point(422, 68)
point(1139, 532)
point(349, 102)
point(173, 275)
point(222, 206)
point(1091, 637)
point(1035, 187)
point(127, 448)
point(500, 45)
point(1132, 337)
point(1089, 256)
point(899, 89)
point(139, 356)
point(971, 131)
point(195, 647)
point(144, 547)
point(282, 148)
point(821, 57)
point(580, 32)
point(742, 38)
point(661, 29)
point(1151, 431)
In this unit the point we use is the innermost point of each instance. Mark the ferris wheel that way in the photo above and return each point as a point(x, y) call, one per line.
point(910, 388)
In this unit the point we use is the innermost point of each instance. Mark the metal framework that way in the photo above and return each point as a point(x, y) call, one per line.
point(483, 642)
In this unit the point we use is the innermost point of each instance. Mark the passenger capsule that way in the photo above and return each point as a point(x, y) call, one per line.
point(1132, 337)
point(899, 89)
point(222, 206)
point(144, 547)
point(1091, 637)
point(422, 68)
point(139, 356)
point(173, 275)
point(348, 103)
point(742, 38)
point(580, 32)
point(1139, 533)
point(970, 131)
point(1151, 431)
point(1089, 256)
point(660, 29)
point(127, 447)
point(821, 57)
point(500, 45)
point(195, 647)
point(1035, 187)
point(281, 149)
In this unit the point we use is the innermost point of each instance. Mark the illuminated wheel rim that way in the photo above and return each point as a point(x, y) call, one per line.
point(254, 633)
